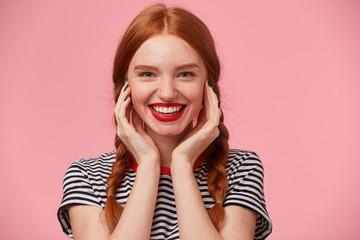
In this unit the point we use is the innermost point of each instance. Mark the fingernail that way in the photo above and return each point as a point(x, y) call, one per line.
point(126, 98)
point(124, 82)
point(209, 83)
point(127, 86)
point(219, 103)
point(213, 88)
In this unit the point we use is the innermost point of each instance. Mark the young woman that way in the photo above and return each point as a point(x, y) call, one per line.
point(172, 175)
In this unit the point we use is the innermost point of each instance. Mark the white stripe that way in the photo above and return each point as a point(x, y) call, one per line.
point(88, 177)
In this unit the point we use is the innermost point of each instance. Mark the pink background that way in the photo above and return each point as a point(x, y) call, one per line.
point(290, 81)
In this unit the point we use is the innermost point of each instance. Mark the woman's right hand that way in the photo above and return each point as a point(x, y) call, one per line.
point(130, 129)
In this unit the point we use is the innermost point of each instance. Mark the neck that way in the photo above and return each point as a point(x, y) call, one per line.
point(167, 144)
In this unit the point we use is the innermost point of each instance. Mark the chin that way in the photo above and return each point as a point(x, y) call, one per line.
point(171, 130)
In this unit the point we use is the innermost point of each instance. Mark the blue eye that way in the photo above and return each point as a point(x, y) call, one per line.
point(186, 74)
point(146, 74)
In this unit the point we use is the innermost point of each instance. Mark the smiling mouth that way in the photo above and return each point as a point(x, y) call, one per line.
point(168, 110)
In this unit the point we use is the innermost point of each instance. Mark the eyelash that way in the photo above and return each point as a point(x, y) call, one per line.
point(146, 74)
point(150, 74)
point(189, 74)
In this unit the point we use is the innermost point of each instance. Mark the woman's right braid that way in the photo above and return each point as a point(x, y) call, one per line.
point(113, 209)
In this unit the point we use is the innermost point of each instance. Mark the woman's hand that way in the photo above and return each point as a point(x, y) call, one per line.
point(130, 129)
point(205, 131)
point(193, 219)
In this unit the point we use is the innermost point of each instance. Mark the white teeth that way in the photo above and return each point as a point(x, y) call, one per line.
point(167, 110)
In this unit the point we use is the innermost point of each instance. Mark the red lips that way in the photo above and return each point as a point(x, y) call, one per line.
point(167, 117)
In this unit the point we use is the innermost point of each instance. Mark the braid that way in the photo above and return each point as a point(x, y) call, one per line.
point(113, 209)
point(217, 155)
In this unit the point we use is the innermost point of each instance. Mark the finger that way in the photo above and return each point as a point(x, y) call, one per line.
point(122, 112)
point(208, 118)
point(201, 120)
point(213, 112)
point(125, 90)
point(122, 91)
point(123, 101)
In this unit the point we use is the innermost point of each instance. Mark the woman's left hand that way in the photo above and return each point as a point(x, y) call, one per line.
point(205, 131)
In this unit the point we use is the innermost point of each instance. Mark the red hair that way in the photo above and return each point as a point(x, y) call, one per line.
point(153, 21)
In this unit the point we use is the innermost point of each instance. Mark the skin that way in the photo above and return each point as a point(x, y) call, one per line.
point(166, 69)
point(157, 74)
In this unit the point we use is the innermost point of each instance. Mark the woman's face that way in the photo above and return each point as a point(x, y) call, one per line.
point(167, 79)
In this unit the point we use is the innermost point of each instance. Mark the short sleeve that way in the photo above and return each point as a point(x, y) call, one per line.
point(246, 189)
point(77, 190)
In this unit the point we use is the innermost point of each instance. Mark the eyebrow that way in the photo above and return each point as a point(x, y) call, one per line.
point(177, 68)
point(187, 66)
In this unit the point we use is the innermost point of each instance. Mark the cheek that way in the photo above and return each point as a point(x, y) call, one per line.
point(196, 97)
point(139, 97)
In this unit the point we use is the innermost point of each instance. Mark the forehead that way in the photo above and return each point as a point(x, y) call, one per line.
point(165, 49)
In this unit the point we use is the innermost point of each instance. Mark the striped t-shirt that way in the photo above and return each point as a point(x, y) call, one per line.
point(85, 184)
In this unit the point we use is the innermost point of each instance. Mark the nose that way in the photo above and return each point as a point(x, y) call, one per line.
point(167, 89)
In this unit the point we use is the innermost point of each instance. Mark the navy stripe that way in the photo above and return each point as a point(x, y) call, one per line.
point(85, 183)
